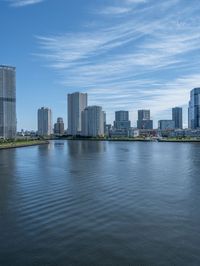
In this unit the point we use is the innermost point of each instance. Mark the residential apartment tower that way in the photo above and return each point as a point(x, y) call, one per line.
point(8, 119)
point(77, 102)
point(93, 121)
point(44, 121)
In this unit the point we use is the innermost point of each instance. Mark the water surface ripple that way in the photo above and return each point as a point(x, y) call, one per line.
point(100, 203)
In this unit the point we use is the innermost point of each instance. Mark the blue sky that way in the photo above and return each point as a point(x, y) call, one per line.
point(126, 54)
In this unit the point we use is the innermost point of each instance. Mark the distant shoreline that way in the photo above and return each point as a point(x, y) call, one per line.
point(29, 143)
point(181, 140)
point(22, 144)
point(133, 139)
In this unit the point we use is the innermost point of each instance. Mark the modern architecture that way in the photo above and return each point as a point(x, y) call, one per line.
point(44, 121)
point(194, 109)
point(77, 102)
point(59, 126)
point(144, 121)
point(92, 121)
point(8, 121)
point(177, 117)
point(166, 125)
point(122, 121)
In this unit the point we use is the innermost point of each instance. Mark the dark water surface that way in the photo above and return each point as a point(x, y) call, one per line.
point(100, 203)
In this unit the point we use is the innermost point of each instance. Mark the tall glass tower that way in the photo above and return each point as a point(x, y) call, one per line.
point(177, 117)
point(194, 109)
point(8, 119)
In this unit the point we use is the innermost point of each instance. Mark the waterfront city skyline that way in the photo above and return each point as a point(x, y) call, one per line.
point(87, 120)
point(123, 62)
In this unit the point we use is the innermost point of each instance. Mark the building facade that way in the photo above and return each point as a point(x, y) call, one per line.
point(59, 126)
point(122, 121)
point(194, 109)
point(143, 114)
point(77, 102)
point(44, 121)
point(92, 122)
point(8, 120)
point(166, 125)
point(144, 120)
point(177, 117)
point(190, 115)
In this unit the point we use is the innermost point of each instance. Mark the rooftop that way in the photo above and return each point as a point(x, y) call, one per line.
point(7, 67)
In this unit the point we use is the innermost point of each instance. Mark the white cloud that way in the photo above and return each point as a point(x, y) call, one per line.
point(21, 3)
point(135, 1)
point(148, 60)
point(115, 10)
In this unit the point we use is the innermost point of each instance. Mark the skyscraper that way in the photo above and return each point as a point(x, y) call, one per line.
point(44, 121)
point(190, 115)
point(177, 117)
point(194, 109)
point(8, 121)
point(93, 121)
point(59, 126)
point(122, 121)
point(144, 121)
point(77, 102)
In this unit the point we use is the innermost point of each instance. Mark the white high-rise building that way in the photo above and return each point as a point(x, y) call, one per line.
point(77, 102)
point(93, 121)
point(44, 121)
point(8, 121)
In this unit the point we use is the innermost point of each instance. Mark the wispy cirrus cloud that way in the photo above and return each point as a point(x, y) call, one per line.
point(21, 3)
point(136, 1)
point(120, 7)
point(115, 10)
point(148, 57)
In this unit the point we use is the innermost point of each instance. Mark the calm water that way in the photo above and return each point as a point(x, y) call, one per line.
point(100, 203)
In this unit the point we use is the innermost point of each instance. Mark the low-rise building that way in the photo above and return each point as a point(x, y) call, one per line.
point(166, 125)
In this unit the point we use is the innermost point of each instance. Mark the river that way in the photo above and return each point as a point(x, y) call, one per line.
point(100, 203)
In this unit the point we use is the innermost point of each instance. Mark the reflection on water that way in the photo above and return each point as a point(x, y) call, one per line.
point(100, 203)
point(7, 177)
point(77, 148)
